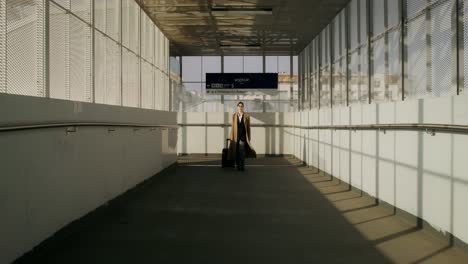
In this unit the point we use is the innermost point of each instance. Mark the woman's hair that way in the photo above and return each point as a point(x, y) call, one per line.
point(240, 103)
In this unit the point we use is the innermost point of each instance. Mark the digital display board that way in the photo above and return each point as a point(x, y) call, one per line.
point(239, 81)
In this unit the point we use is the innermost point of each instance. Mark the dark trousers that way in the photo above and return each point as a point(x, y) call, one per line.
point(240, 155)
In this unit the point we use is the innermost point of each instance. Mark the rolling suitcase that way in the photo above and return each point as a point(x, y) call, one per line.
point(224, 161)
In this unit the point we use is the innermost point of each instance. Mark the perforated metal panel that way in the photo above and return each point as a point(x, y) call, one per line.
point(354, 24)
point(100, 69)
point(113, 19)
point(337, 84)
point(441, 41)
point(465, 44)
point(59, 60)
point(354, 92)
point(22, 47)
point(157, 54)
point(363, 21)
point(343, 77)
point(325, 87)
point(3, 52)
point(130, 79)
point(113, 76)
point(414, 6)
point(76, 71)
point(63, 3)
point(344, 32)
point(393, 13)
point(364, 76)
point(378, 72)
point(80, 60)
point(147, 86)
point(147, 38)
point(336, 38)
point(325, 47)
point(378, 16)
point(416, 86)
point(394, 67)
point(82, 8)
point(100, 15)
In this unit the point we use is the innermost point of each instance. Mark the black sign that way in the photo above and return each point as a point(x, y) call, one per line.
point(242, 81)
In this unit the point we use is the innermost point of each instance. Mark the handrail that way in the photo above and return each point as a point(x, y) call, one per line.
point(430, 128)
point(7, 128)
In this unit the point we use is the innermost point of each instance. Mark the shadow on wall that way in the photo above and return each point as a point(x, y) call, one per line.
point(413, 171)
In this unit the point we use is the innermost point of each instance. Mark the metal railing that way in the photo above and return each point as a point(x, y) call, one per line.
point(429, 128)
point(9, 128)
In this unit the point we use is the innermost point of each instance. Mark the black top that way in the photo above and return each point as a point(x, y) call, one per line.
point(241, 132)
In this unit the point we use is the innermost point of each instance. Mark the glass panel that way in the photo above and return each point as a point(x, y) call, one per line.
point(271, 64)
point(284, 65)
point(192, 69)
point(253, 64)
point(211, 64)
point(233, 64)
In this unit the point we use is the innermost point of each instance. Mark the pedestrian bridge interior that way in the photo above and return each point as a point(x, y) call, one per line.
point(110, 140)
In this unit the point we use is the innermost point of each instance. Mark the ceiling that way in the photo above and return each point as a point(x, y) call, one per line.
point(194, 29)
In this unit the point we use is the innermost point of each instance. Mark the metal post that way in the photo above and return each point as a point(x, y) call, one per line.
point(3, 47)
point(119, 42)
point(456, 44)
point(386, 51)
point(93, 52)
point(291, 81)
point(140, 58)
point(319, 67)
point(403, 63)
point(347, 44)
point(369, 50)
point(331, 53)
point(264, 70)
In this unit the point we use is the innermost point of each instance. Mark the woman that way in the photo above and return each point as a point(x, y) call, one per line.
point(240, 147)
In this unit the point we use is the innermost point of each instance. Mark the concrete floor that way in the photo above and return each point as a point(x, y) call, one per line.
point(276, 211)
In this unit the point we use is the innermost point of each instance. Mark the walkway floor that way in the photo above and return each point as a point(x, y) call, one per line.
point(276, 211)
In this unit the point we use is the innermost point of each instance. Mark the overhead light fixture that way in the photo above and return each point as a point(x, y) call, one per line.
point(243, 46)
point(241, 10)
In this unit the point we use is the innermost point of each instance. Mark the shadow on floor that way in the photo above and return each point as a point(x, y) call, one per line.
point(274, 212)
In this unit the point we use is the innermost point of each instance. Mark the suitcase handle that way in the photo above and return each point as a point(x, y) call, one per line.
point(227, 142)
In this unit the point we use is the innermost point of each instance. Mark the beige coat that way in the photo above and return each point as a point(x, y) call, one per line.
point(249, 150)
